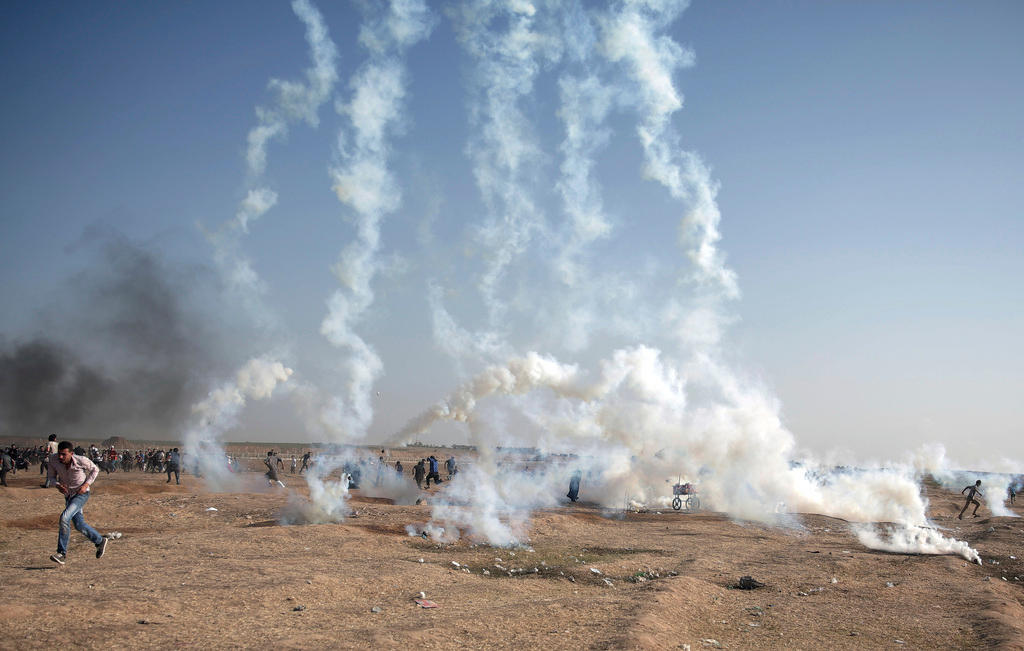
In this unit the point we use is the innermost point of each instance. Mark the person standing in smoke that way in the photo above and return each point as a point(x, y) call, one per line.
point(574, 486)
point(51, 449)
point(305, 462)
point(294, 463)
point(398, 467)
point(74, 475)
point(272, 470)
point(970, 498)
point(419, 472)
point(174, 465)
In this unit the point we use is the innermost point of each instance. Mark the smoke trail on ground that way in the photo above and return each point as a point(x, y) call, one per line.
point(915, 540)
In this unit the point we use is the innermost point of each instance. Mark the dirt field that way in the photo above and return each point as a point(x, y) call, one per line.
point(186, 575)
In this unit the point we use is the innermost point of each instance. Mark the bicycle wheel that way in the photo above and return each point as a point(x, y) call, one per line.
point(693, 503)
point(677, 503)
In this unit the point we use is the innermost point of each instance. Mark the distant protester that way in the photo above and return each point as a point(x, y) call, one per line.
point(174, 465)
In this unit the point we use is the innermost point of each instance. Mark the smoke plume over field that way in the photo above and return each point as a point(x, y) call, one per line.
point(595, 338)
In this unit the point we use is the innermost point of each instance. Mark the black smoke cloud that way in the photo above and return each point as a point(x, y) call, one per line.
point(125, 348)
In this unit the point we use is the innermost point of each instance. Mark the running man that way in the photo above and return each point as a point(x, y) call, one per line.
point(74, 475)
point(970, 498)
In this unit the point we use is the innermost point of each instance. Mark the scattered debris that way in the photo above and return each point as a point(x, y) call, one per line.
point(423, 595)
point(608, 582)
point(298, 608)
point(890, 584)
point(143, 621)
point(749, 583)
point(456, 564)
point(709, 641)
point(595, 570)
point(376, 609)
point(211, 509)
point(426, 603)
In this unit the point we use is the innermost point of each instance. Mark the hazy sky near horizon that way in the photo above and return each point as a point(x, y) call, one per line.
point(868, 159)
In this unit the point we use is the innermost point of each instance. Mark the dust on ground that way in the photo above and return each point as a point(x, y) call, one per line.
point(184, 574)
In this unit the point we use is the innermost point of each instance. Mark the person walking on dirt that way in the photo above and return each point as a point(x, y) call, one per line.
point(51, 449)
point(433, 474)
point(6, 465)
point(1010, 493)
point(74, 475)
point(272, 470)
point(305, 462)
point(294, 463)
point(419, 471)
point(174, 465)
point(970, 498)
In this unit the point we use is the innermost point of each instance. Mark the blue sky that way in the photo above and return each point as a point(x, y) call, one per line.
point(868, 158)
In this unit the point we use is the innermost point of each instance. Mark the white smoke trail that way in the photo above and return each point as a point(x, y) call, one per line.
point(293, 101)
point(915, 540)
point(630, 36)
point(508, 48)
point(364, 183)
point(218, 412)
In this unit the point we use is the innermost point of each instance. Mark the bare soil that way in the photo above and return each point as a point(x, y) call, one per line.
point(185, 575)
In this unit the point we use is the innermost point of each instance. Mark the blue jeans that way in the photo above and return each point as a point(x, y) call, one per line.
point(73, 515)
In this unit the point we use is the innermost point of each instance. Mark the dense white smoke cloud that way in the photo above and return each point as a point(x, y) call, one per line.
point(644, 420)
point(218, 412)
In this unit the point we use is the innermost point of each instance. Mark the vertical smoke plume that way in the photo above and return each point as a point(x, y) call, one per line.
point(629, 37)
point(255, 380)
point(364, 183)
point(508, 47)
point(293, 101)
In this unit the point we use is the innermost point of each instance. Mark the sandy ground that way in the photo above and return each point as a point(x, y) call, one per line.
point(185, 575)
